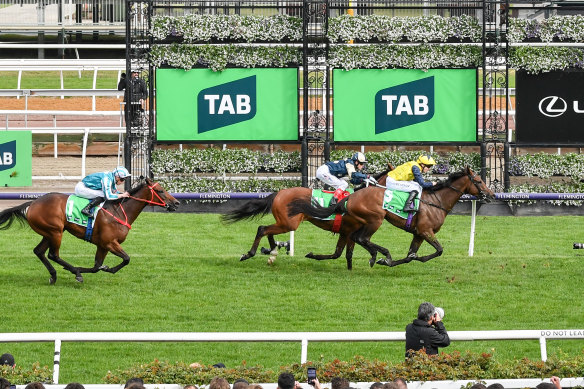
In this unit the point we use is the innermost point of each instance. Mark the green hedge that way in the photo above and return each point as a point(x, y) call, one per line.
point(181, 171)
point(454, 366)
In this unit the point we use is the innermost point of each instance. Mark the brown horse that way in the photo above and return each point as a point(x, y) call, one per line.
point(277, 203)
point(46, 216)
point(365, 206)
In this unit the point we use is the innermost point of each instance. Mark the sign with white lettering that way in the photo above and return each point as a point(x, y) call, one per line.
point(235, 104)
point(439, 105)
point(15, 158)
point(550, 107)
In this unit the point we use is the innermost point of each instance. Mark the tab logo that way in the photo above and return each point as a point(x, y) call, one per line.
point(7, 155)
point(403, 105)
point(226, 104)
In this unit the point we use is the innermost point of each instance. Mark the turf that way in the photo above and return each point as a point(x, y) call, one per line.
point(185, 275)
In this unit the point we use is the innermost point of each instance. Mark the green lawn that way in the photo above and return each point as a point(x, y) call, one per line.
point(106, 79)
point(185, 275)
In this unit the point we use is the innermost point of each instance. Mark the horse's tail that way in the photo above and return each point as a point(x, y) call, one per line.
point(250, 210)
point(314, 209)
point(8, 216)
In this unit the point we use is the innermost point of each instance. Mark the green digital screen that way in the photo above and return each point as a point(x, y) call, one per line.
point(407, 105)
point(232, 105)
point(15, 158)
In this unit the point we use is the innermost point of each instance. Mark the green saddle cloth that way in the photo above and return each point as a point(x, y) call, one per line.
point(324, 199)
point(73, 210)
point(395, 200)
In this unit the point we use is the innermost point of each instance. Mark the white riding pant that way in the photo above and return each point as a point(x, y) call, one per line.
point(82, 191)
point(324, 174)
point(405, 186)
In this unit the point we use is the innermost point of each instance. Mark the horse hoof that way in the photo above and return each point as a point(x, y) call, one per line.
point(104, 268)
point(383, 262)
point(79, 279)
point(265, 251)
point(52, 281)
point(243, 257)
point(371, 262)
point(310, 255)
point(271, 260)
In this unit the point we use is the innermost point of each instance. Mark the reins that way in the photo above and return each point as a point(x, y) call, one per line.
point(151, 201)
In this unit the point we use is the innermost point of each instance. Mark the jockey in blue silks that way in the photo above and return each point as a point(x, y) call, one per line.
point(332, 171)
point(101, 186)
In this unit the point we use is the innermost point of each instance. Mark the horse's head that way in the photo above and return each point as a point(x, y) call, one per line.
point(159, 196)
point(477, 187)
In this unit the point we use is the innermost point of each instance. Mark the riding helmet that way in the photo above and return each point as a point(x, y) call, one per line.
point(359, 157)
point(121, 172)
point(426, 160)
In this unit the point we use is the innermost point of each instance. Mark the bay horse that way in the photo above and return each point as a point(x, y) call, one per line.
point(365, 206)
point(277, 203)
point(46, 216)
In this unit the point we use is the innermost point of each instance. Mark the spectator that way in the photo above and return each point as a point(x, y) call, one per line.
point(495, 386)
point(390, 385)
point(554, 384)
point(286, 381)
point(219, 383)
point(139, 93)
point(190, 387)
point(255, 386)
point(219, 365)
point(376, 385)
point(478, 385)
point(427, 332)
point(4, 383)
point(401, 383)
point(74, 385)
point(340, 383)
point(133, 381)
point(7, 359)
point(331, 172)
point(240, 383)
point(35, 385)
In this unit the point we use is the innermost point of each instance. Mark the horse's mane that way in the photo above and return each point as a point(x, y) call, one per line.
point(446, 183)
point(132, 191)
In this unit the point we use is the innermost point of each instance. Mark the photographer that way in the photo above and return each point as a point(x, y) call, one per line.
point(138, 91)
point(427, 332)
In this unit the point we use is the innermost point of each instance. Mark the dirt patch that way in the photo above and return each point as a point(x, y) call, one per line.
point(66, 104)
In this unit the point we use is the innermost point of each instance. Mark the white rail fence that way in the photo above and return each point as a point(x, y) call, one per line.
point(303, 337)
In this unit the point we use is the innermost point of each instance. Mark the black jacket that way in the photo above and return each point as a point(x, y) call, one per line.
point(421, 335)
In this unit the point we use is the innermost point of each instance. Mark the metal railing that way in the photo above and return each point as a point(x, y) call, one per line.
point(303, 337)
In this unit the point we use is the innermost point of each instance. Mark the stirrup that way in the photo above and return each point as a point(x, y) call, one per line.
point(87, 210)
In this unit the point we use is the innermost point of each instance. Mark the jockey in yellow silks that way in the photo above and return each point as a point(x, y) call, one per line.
point(408, 178)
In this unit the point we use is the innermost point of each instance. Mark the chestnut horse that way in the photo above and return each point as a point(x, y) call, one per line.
point(277, 203)
point(365, 206)
point(46, 216)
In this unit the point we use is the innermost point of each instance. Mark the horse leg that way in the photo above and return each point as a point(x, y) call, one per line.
point(341, 243)
point(40, 251)
point(349, 254)
point(99, 258)
point(273, 229)
point(412, 253)
point(115, 248)
point(430, 238)
point(363, 238)
point(54, 245)
point(273, 247)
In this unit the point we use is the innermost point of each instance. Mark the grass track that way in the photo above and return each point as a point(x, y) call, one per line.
point(185, 275)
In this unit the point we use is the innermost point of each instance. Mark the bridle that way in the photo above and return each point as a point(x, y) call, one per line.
point(472, 177)
point(153, 193)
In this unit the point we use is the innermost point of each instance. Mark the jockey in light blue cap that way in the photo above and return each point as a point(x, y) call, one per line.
point(101, 186)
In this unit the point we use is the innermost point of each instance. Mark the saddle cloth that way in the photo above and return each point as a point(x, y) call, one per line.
point(323, 198)
point(395, 200)
point(73, 210)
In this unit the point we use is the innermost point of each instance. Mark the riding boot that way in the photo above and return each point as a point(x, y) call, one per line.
point(87, 210)
point(409, 206)
point(337, 196)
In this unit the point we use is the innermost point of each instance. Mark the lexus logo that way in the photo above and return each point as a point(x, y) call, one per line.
point(551, 107)
point(554, 106)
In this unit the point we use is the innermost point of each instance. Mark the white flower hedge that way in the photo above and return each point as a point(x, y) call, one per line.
point(248, 28)
point(553, 29)
point(385, 28)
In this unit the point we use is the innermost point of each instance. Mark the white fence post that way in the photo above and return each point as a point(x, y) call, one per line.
point(56, 361)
